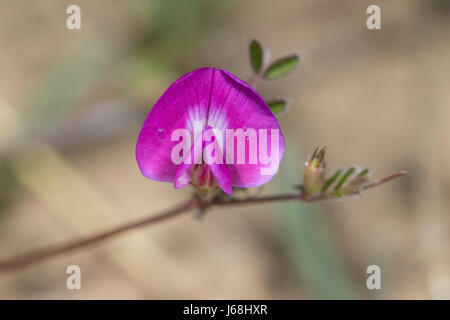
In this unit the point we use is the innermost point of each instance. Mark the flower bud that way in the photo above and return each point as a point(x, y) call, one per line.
point(314, 174)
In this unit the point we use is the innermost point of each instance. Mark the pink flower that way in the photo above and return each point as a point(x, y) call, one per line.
point(210, 129)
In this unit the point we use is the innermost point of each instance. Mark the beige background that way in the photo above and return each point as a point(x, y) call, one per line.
point(72, 103)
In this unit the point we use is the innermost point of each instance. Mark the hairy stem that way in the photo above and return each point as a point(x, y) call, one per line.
point(194, 202)
point(255, 79)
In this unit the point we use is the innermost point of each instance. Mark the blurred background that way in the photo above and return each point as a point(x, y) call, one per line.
point(72, 103)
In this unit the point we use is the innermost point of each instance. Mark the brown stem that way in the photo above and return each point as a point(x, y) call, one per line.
point(45, 253)
point(38, 255)
point(255, 79)
point(387, 179)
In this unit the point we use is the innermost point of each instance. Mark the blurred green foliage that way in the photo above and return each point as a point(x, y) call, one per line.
point(173, 29)
point(313, 253)
point(8, 185)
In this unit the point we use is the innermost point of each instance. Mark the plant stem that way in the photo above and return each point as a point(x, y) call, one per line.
point(194, 202)
point(45, 253)
point(255, 79)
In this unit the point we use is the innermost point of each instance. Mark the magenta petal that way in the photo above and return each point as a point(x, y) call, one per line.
point(223, 177)
point(183, 176)
point(234, 105)
point(184, 171)
point(221, 173)
point(188, 97)
point(217, 99)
